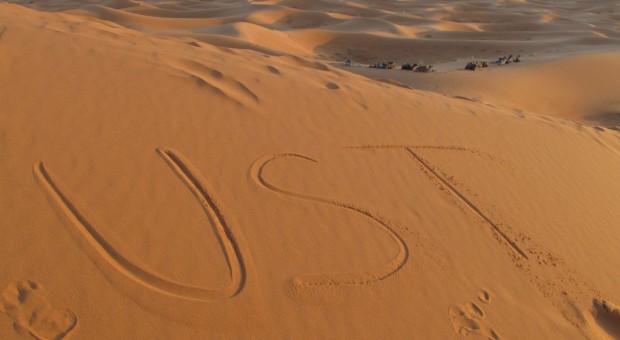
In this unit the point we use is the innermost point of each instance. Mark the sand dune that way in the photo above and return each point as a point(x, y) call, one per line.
point(580, 88)
point(434, 32)
point(192, 170)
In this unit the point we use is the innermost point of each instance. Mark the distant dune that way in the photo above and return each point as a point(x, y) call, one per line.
point(211, 170)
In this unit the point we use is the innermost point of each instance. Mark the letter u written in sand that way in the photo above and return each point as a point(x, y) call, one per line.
point(104, 253)
point(335, 279)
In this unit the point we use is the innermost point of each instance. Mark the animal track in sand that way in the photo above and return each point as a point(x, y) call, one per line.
point(26, 303)
point(469, 318)
point(106, 254)
point(334, 279)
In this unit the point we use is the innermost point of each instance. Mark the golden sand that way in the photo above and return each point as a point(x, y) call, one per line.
point(210, 170)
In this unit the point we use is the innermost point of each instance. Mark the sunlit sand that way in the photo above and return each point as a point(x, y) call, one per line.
point(212, 170)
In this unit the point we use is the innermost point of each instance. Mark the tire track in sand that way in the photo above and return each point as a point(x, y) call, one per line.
point(109, 256)
point(334, 279)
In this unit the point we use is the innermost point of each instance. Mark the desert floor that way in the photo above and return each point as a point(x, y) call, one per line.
point(210, 170)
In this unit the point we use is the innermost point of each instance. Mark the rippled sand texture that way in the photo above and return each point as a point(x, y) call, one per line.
point(210, 170)
point(368, 30)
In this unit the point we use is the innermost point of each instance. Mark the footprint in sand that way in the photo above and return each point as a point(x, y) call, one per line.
point(332, 86)
point(26, 303)
point(608, 317)
point(273, 70)
point(469, 318)
point(484, 296)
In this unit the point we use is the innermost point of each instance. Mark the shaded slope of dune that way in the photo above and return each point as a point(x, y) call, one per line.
point(581, 88)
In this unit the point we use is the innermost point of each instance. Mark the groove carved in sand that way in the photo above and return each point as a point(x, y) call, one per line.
point(335, 279)
point(453, 190)
point(466, 201)
point(111, 257)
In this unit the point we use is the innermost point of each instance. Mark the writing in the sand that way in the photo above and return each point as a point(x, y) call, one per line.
point(115, 263)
